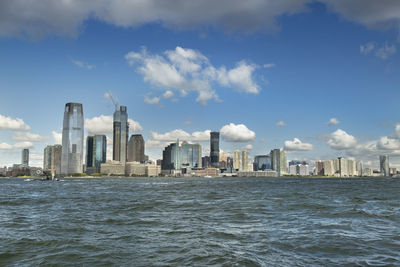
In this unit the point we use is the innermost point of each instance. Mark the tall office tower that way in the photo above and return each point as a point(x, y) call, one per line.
point(205, 162)
point(329, 168)
point(191, 155)
point(172, 157)
point(278, 161)
point(72, 139)
point(52, 158)
point(359, 168)
point(319, 168)
point(351, 167)
point(136, 148)
point(25, 157)
point(229, 164)
point(245, 157)
point(120, 134)
point(384, 164)
point(96, 152)
point(236, 160)
point(214, 149)
point(262, 163)
point(343, 167)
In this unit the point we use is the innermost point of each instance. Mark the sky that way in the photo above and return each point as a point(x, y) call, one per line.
point(319, 79)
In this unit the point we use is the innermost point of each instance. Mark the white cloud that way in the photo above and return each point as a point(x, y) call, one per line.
point(57, 137)
point(37, 18)
point(104, 124)
point(333, 121)
point(168, 94)
point(187, 70)
point(297, 145)
point(8, 123)
point(152, 101)
point(19, 145)
point(396, 133)
point(237, 133)
point(26, 136)
point(82, 64)
point(341, 140)
point(281, 123)
point(248, 147)
point(181, 135)
point(269, 65)
point(381, 51)
point(385, 143)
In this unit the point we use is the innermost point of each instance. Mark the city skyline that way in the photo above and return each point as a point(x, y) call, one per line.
point(311, 81)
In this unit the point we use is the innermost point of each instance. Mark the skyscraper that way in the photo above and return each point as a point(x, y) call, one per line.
point(214, 149)
point(120, 134)
point(96, 149)
point(136, 148)
point(172, 157)
point(384, 164)
point(244, 160)
point(278, 161)
point(72, 139)
point(25, 157)
point(262, 163)
point(236, 160)
point(52, 158)
point(191, 155)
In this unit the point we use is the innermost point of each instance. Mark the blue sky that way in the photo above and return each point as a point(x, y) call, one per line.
point(268, 75)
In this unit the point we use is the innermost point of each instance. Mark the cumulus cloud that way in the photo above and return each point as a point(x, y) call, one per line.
point(19, 145)
point(297, 145)
point(26, 136)
point(104, 124)
point(168, 94)
point(237, 133)
point(57, 137)
point(381, 51)
point(280, 123)
point(333, 121)
point(151, 101)
point(8, 123)
point(180, 134)
point(341, 140)
point(187, 70)
point(82, 64)
point(248, 147)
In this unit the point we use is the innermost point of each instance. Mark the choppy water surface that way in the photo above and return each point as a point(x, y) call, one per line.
point(181, 222)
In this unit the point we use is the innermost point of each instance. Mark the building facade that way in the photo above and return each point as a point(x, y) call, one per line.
point(236, 160)
point(25, 157)
point(262, 163)
point(214, 149)
point(72, 139)
point(245, 163)
point(279, 161)
point(191, 155)
point(120, 134)
point(384, 165)
point(136, 148)
point(96, 153)
point(52, 159)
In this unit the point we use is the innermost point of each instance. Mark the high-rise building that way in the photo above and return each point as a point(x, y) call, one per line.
point(120, 134)
point(172, 157)
point(329, 168)
point(214, 149)
point(359, 168)
point(205, 162)
point(191, 155)
point(72, 139)
point(343, 167)
point(351, 167)
point(245, 157)
point(236, 160)
point(96, 152)
point(136, 148)
point(262, 163)
point(52, 158)
point(384, 164)
point(278, 161)
point(25, 157)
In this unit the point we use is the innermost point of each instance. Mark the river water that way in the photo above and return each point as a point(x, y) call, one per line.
point(200, 222)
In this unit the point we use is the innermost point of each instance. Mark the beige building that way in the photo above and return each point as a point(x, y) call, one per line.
point(245, 157)
point(236, 160)
point(113, 167)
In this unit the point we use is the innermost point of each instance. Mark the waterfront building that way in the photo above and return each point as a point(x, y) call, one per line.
point(262, 163)
point(25, 157)
point(343, 167)
point(191, 155)
point(72, 139)
point(359, 168)
point(136, 148)
point(392, 171)
point(96, 153)
point(206, 162)
point(172, 157)
point(384, 165)
point(351, 167)
point(214, 149)
point(368, 172)
point(278, 161)
point(113, 167)
point(236, 160)
point(299, 169)
point(329, 168)
point(319, 168)
point(245, 157)
point(52, 159)
point(120, 134)
point(267, 173)
point(229, 164)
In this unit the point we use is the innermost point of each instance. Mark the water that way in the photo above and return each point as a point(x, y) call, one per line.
point(199, 222)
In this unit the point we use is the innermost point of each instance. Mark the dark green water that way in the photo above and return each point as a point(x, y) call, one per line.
point(200, 222)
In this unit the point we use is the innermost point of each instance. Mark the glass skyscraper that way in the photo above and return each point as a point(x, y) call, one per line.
point(96, 152)
point(120, 134)
point(136, 148)
point(384, 164)
point(52, 158)
point(262, 163)
point(191, 155)
point(214, 149)
point(172, 157)
point(72, 139)
point(25, 157)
